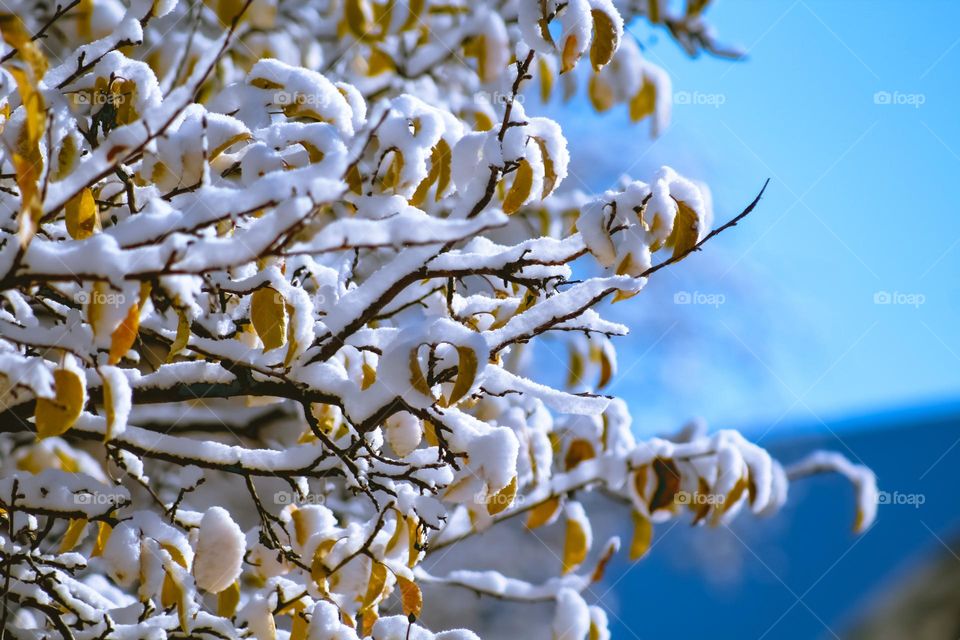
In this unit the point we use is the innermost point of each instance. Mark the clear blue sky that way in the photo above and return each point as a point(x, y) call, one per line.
point(862, 200)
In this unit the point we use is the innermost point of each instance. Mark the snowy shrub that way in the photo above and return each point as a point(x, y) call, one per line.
point(259, 245)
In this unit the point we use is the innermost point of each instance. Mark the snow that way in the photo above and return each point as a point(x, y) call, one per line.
point(219, 552)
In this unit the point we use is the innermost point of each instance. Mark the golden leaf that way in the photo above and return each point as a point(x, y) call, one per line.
point(571, 54)
point(600, 93)
point(318, 568)
point(466, 374)
point(644, 102)
point(410, 597)
point(549, 173)
point(574, 546)
point(378, 579)
point(125, 334)
point(668, 484)
point(416, 374)
point(356, 14)
point(54, 416)
point(578, 451)
point(520, 189)
point(369, 376)
point(268, 312)
point(544, 512)
point(182, 337)
point(605, 41)
point(546, 80)
point(73, 534)
point(379, 62)
point(503, 498)
point(642, 536)
point(686, 230)
point(103, 535)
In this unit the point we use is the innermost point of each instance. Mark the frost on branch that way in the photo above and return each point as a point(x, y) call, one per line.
point(270, 276)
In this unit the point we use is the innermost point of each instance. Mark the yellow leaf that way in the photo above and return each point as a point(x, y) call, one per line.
point(604, 560)
point(54, 416)
point(549, 173)
point(642, 536)
point(103, 535)
point(605, 41)
point(643, 104)
point(410, 597)
point(520, 189)
point(298, 628)
point(182, 337)
point(414, 9)
point(356, 14)
point(369, 376)
point(503, 498)
point(227, 600)
point(546, 80)
point(600, 93)
point(441, 156)
point(73, 534)
point(354, 179)
point(416, 374)
point(228, 10)
point(379, 62)
point(578, 451)
point(653, 11)
point(466, 374)
point(571, 53)
point(414, 540)
point(378, 579)
point(574, 546)
point(482, 122)
point(268, 312)
point(125, 334)
point(318, 569)
point(543, 512)
point(66, 157)
point(686, 230)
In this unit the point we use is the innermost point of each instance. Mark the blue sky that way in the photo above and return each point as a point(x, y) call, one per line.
point(850, 109)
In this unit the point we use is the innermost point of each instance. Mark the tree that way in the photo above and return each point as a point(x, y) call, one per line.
point(292, 256)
